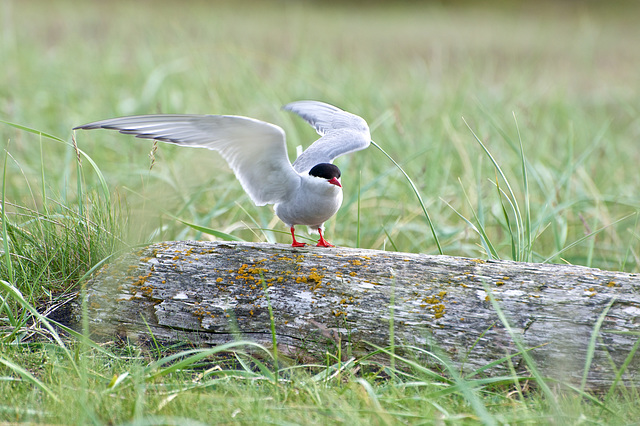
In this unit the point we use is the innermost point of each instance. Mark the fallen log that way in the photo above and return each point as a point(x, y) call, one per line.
point(209, 293)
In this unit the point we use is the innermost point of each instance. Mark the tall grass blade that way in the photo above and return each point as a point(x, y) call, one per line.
point(207, 230)
point(371, 393)
point(512, 197)
point(594, 399)
point(186, 359)
point(531, 365)
point(417, 193)
point(267, 374)
point(514, 240)
point(5, 227)
point(488, 247)
point(589, 235)
point(467, 391)
point(480, 229)
point(79, 179)
point(392, 339)
point(506, 358)
point(592, 343)
point(27, 376)
point(274, 336)
point(83, 338)
point(526, 248)
point(358, 216)
point(393, 244)
point(622, 369)
point(44, 202)
point(418, 369)
point(34, 131)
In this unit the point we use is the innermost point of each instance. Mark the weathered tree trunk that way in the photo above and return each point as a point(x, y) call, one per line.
point(207, 293)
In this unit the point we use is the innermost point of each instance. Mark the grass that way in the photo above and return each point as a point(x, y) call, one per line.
point(513, 133)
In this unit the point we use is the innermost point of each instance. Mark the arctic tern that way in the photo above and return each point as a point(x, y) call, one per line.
point(307, 192)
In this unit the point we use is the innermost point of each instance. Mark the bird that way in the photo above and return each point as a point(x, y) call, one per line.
point(307, 192)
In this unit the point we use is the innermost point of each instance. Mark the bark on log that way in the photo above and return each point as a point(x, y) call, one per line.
point(205, 293)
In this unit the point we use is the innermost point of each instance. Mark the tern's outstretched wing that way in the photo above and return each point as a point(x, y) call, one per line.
point(341, 131)
point(255, 150)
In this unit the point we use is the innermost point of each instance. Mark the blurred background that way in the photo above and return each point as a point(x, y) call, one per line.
point(559, 78)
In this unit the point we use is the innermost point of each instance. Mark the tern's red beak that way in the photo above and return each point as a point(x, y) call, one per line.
point(335, 181)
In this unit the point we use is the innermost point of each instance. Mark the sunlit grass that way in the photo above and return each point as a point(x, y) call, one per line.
point(513, 134)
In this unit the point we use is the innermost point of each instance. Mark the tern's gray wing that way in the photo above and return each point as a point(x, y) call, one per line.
point(255, 150)
point(341, 131)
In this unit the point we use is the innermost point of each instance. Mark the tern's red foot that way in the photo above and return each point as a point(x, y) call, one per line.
point(322, 242)
point(295, 243)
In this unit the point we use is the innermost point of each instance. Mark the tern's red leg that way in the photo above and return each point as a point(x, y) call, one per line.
point(322, 242)
point(295, 243)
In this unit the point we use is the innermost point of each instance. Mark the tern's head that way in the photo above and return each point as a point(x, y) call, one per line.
point(326, 171)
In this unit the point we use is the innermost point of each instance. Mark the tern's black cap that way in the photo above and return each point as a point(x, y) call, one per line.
point(325, 170)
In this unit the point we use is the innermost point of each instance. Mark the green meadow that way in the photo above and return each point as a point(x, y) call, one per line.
point(508, 130)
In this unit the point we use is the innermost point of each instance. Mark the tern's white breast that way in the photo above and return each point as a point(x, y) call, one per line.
point(312, 204)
